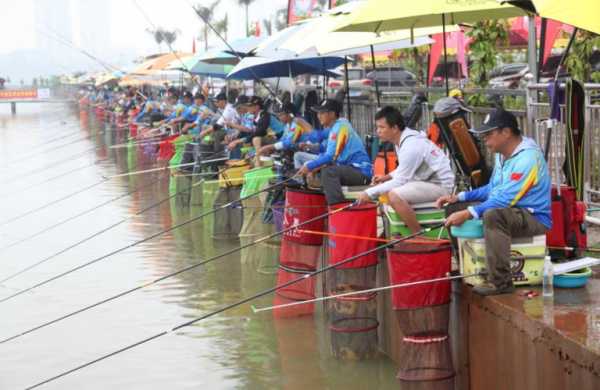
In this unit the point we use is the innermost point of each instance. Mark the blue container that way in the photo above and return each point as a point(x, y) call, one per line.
point(471, 228)
point(573, 279)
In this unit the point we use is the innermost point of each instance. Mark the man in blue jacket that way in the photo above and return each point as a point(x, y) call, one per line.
point(345, 160)
point(516, 202)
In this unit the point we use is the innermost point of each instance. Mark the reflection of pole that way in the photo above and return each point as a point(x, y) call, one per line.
point(375, 76)
point(349, 111)
point(445, 55)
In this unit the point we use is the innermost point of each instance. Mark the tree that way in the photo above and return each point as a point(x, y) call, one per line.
point(246, 4)
point(170, 36)
point(578, 61)
point(161, 35)
point(268, 23)
point(222, 26)
point(206, 14)
point(157, 35)
point(281, 19)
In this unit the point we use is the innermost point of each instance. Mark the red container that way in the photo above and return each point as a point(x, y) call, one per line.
point(301, 206)
point(419, 260)
point(359, 221)
point(292, 254)
point(302, 290)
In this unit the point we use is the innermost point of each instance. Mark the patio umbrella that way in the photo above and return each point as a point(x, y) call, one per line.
point(260, 68)
point(383, 15)
point(226, 55)
point(198, 67)
point(582, 14)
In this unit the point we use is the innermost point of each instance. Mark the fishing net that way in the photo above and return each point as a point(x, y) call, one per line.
point(179, 187)
point(301, 206)
point(357, 223)
point(253, 225)
point(227, 220)
point(354, 338)
point(302, 290)
point(292, 253)
point(254, 181)
point(422, 311)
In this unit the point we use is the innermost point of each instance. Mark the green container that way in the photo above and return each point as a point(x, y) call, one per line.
point(427, 216)
point(256, 179)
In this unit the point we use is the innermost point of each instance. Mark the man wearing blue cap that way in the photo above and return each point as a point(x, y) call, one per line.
point(515, 203)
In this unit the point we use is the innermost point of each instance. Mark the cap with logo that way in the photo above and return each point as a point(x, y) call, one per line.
point(328, 105)
point(497, 119)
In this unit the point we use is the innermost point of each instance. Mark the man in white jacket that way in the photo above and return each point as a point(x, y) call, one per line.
point(423, 174)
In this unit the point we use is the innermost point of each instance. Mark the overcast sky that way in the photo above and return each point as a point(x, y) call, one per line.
point(126, 23)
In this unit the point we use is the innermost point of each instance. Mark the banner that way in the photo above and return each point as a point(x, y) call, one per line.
point(18, 94)
point(300, 9)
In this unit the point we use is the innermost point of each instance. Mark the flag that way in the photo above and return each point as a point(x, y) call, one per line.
point(435, 54)
point(257, 31)
point(552, 31)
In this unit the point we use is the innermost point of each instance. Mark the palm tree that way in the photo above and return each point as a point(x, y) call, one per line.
point(206, 14)
point(268, 23)
point(246, 3)
point(222, 26)
point(281, 19)
point(158, 36)
point(170, 36)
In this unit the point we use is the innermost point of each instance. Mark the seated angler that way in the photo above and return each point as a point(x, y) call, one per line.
point(423, 174)
point(297, 130)
point(345, 162)
point(194, 113)
point(515, 203)
point(267, 128)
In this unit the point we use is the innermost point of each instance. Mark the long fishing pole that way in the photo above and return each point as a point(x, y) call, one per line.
point(123, 248)
point(51, 165)
point(43, 151)
point(46, 143)
point(367, 291)
point(50, 179)
point(60, 223)
point(178, 272)
point(232, 305)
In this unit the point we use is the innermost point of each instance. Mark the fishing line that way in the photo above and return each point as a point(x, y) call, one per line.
point(233, 305)
point(175, 273)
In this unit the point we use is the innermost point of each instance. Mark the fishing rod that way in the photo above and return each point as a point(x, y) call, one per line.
point(70, 134)
point(53, 164)
point(178, 272)
point(232, 305)
point(96, 234)
point(23, 158)
point(47, 229)
point(367, 291)
point(51, 203)
point(50, 179)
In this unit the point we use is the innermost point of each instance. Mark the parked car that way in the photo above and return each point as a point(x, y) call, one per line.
point(455, 74)
point(508, 76)
point(392, 77)
point(358, 83)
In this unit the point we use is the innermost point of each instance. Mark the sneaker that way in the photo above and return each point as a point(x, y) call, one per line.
point(487, 288)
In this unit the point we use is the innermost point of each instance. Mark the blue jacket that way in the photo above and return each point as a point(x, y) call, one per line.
point(178, 110)
point(344, 147)
point(294, 133)
point(521, 181)
point(150, 107)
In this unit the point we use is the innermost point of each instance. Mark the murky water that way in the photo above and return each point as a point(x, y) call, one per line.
point(233, 350)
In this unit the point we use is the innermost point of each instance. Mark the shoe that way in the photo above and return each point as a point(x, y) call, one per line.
point(490, 289)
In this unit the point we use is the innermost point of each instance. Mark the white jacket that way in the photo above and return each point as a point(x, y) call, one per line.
point(419, 159)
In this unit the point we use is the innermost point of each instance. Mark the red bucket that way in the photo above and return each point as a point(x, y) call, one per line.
point(359, 221)
point(303, 290)
point(292, 254)
point(418, 260)
point(301, 206)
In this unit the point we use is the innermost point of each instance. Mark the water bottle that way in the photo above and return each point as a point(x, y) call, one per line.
point(548, 289)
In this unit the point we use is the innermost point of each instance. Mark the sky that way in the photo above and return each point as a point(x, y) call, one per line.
point(126, 24)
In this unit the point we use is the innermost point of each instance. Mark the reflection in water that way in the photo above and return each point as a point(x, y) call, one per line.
point(234, 350)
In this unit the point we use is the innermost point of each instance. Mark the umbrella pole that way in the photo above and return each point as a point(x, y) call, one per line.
point(566, 53)
point(445, 55)
point(375, 73)
point(347, 88)
point(542, 50)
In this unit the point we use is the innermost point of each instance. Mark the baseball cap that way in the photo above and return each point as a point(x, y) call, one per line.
point(497, 119)
point(448, 106)
point(241, 100)
point(255, 101)
point(199, 95)
point(328, 105)
point(285, 108)
point(188, 94)
point(221, 96)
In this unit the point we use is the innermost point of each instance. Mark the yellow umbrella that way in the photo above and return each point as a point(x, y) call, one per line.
point(583, 14)
point(384, 15)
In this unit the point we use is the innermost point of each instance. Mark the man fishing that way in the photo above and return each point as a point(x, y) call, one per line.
point(345, 160)
point(515, 203)
point(423, 173)
point(297, 130)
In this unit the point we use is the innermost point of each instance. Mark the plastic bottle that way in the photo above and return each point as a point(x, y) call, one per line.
point(548, 288)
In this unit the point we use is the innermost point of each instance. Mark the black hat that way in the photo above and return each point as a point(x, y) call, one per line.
point(255, 101)
point(285, 108)
point(241, 100)
point(199, 95)
point(497, 119)
point(328, 105)
point(188, 94)
point(221, 96)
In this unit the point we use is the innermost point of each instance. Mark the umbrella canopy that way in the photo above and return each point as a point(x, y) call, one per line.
point(259, 67)
point(385, 15)
point(155, 69)
point(195, 66)
point(582, 14)
point(224, 55)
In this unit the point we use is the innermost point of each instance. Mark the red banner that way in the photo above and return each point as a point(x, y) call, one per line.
point(18, 94)
point(300, 9)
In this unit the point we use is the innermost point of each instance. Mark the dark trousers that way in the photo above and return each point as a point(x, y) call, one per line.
point(333, 177)
point(500, 226)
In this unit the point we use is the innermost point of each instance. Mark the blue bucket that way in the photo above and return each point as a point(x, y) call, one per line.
point(573, 279)
point(471, 228)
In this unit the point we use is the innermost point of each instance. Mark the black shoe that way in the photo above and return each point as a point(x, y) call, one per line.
point(490, 289)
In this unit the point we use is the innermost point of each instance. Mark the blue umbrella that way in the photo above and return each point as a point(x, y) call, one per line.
point(260, 68)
